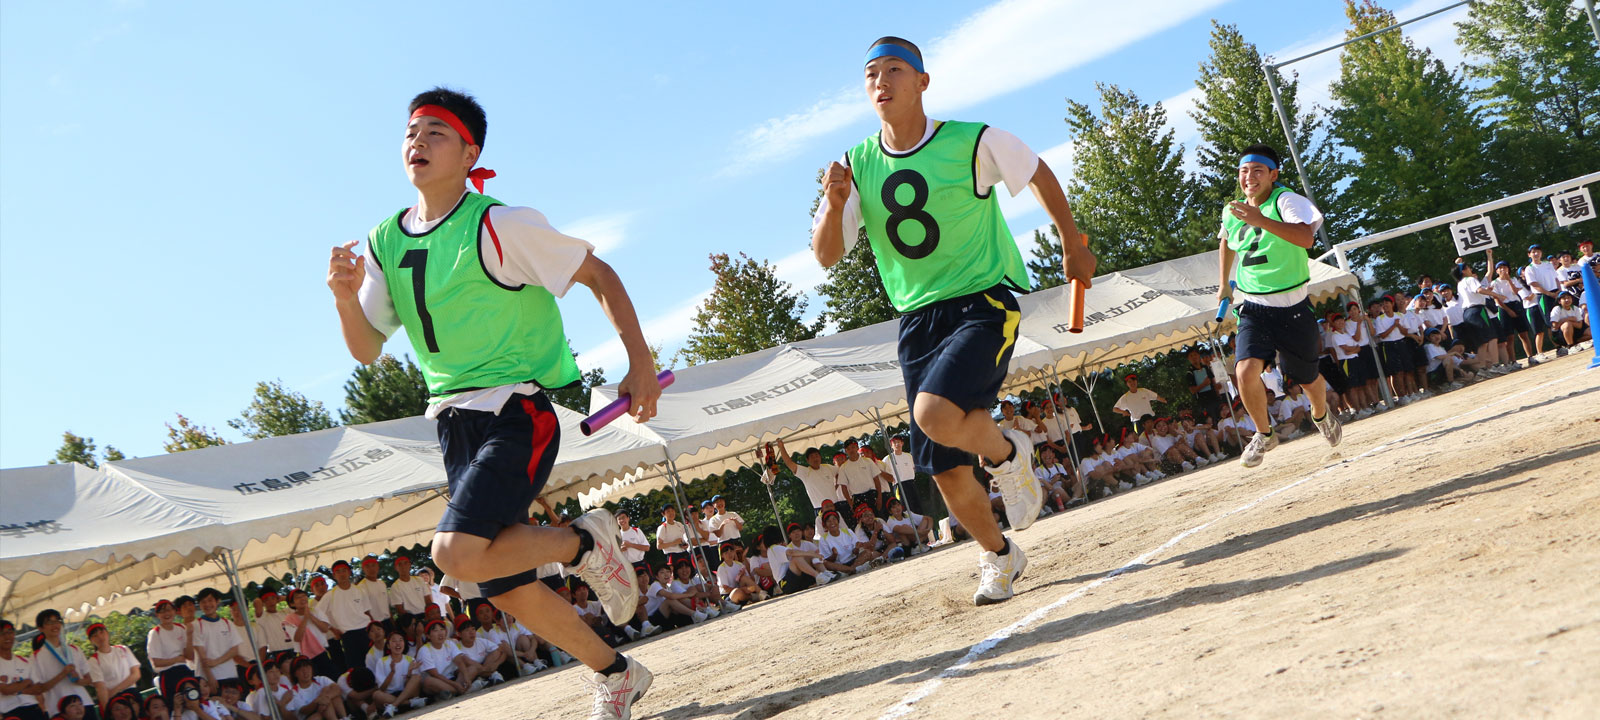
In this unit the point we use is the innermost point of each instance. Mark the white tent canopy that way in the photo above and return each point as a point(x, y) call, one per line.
point(94, 537)
point(818, 391)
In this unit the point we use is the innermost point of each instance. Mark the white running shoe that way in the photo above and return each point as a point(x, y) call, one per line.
point(497, 678)
point(649, 629)
point(825, 577)
point(730, 606)
point(1257, 448)
point(418, 703)
point(710, 612)
point(605, 569)
point(1201, 461)
point(630, 632)
point(1332, 430)
point(918, 550)
point(477, 685)
point(614, 695)
point(997, 574)
point(1125, 485)
point(390, 710)
point(533, 667)
point(698, 617)
point(1019, 487)
point(1187, 466)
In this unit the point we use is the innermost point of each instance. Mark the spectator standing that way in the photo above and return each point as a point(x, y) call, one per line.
point(1203, 384)
point(727, 524)
point(16, 679)
point(1475, 314)
point(706, 544)
point(820, 481)
point(217, 641)
point(270, 632)
point(1540, 277)
point(167, 647)
point(408, 592)
point(113, 667)
point(58, 668)
point(672, 538)
point(371, 585)
point(346, 609)
point(863, 477)
point(634, 542)
point(1136, 403)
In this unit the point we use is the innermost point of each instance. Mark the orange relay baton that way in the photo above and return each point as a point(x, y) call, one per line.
point(1075, 303)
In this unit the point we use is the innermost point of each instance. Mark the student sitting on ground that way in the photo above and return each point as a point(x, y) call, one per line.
point(475, 658)
point(437, 661)
point(314, 696)
point(760, 566)
point(594, 615)
point(1053, 477)
point(873, 537)
point(1171, 447)
point(910, 525)
point(673, 607)
point(797, 564)
point(357, 685)
point(260, 698)
point(1201, 437)
point(399, 678)
point(1140, 457)
point(1292, 413)
point(738, 586)
point(702, 597)
point(839, 551)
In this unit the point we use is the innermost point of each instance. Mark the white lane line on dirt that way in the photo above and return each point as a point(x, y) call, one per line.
point(908, 703)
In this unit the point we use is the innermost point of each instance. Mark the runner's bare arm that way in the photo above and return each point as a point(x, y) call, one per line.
point(1076, 259)
point(827, 241)
point(640, 382)
point(346, 270)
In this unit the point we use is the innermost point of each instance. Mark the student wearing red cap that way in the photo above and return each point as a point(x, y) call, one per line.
point(346, 609)
point(113, 667)
point(378, 601)
point(1137, 403)
point(16, 679)
point(167, 646)
point(271, 634)
point(474, 284)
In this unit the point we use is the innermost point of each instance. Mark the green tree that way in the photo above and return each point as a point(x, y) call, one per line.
point(190, 436)
point(112, 454)
point(75, 449)
point(749, 309)
point(1129, 192)
point(276, 411)
point(388, 389)
point(853, 295)
point(577, 396)
point(1235, 111)
point(1413, 145)
point(1047, 259)
point(1536, 75)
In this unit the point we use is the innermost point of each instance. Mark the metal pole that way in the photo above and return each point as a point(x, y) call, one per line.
point(692, 528)
point(1238, 439)
point(1288, 133)
point(230, 567)
point(1594, 24)
point(900, 483)
point(1066, 431)
point(1372, 342)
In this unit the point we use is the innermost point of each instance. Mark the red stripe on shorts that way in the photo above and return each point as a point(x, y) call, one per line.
point(544, 428)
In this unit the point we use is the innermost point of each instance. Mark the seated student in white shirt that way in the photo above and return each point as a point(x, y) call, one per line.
point(910, 525)
point(437, 662)
point(314, 696)
point(492, 628)
point(1053, 477)
point(760, 566)
point(475, 653)
point(529, 649)
point(703, 595)
point(358, 685)
point(1095, 471)
point(734, 579)
point(594, 615)
point(1447, 366)
point(1292, 413)
point(399, 679)
point(673, 602)
point(1567, 321)
point(1140, 457)
point(1169, 445)
point(1235, 418)
point(796, 564)
point(280, 690)
point(838, 546)
point(1203, 438)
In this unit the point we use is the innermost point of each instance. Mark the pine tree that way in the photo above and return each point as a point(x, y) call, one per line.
point(577, 396)
point(385, 390)
point(190, 436)
point(276, 410)
point(112, 454)
point(749, 309)
point(1046, 263)
point(1129, 192)
point(1413, 144)
point(1235, 111)
point(853, 295)
point(76, 449)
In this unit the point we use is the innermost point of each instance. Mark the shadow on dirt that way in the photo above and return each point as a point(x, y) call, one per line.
point(910, 672)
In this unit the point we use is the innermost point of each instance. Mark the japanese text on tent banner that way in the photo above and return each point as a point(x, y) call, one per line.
point(798, 382)
point(1473, 236)
point(1572, 207)
point(1137, 302)
point(301, 478)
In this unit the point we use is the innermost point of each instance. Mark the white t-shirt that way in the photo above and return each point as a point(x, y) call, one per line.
point(671, 538)
point(1558, 313)
point(272, 633)
point(529, 252)
point(439, 659)
point(478, 651)
point(724, 525)
point(1412, 322)
point(1455, 312)
point(411, 594)
point(858, 474)
point(216, 638)
point(728, 576)
point(11, 671)
point(1435, 356)
point(1542, 274)
point(1001, 157)
point(257, 700)
point(166, 643)
point(345, 609)
point(1287, 407)
point(1295, 209)
point(112, 666)
point(821, 483)
point(908, 519)
point(1162, 443)
point(1137, 403)
point(397, 682)
point(1508, 290)
point(1338, 341)
point(634, 535)
point(841, 548)
point(302, 696)
point(46, 665)
point(377, 597)
point(1467, 290)
point(778, 558)
point(653, 598)
point(1273, 379)
point(1053, 429)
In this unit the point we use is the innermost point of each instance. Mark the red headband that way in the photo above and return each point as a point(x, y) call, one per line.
point(478, 175)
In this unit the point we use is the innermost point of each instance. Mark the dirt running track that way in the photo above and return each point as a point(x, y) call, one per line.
point(1443, 562)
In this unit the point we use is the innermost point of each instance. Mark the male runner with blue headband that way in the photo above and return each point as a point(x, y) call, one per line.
point(1268, 231)
point(924, 190)
point(474, 283)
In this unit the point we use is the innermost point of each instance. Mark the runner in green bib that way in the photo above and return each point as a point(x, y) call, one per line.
point(924, 191)
point(1266, 234)
point(474, 285)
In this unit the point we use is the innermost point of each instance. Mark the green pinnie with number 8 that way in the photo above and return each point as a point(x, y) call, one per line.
point(924, 190)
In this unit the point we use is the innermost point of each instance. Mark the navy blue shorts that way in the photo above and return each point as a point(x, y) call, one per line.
point(495, 466)
point(1287, 334)
point(1539, 314)
point(1333, 373)
point(1396, 357)
point(958, 349)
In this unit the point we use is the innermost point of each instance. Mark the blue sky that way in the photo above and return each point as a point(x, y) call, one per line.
point(173, 174)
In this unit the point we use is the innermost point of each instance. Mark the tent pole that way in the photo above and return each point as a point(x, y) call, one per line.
point(776, 516)
point(230, 566)
point(693, 527)
point(1216, 345)
point(898, 481)
point(1066, 430)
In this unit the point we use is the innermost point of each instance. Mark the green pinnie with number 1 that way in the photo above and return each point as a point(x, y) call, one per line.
point(925, 192)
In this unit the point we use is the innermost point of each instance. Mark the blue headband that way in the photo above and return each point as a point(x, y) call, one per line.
point(1264, 160)
point(894, 51)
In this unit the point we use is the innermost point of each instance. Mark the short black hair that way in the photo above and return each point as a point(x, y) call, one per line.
point(902, 42)
point(464, 106)
point(1266, 150)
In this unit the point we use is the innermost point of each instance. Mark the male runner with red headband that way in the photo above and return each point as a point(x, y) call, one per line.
point(474, 283)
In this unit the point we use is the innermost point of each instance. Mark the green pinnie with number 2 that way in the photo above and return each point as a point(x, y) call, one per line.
point(935, 237)
point(443, 267)
point(1267, 263)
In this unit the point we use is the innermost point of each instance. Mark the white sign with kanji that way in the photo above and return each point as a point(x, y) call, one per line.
point(1572, 206)
point(1473, 235)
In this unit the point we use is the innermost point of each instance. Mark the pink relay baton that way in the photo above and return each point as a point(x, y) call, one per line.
point(618, 407)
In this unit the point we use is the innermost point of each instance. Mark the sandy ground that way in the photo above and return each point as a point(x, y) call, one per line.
point(1443, 562)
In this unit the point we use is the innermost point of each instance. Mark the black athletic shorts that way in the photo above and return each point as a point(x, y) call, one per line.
point(1514, 317)
point(1539, 314)
point(1419, 357)
point(1481, 329)
point(1396, 357)
point(1333, 373)
point(495, 466)
point(958, 349)
point(31, 711)
point(1288, 334)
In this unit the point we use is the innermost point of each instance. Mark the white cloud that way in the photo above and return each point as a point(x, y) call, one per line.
point(801, 270)
point(1007, 46)
point(605, 232)
point(667, 330)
